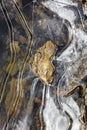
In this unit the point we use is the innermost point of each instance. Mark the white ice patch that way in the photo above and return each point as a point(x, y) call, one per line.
point(53, 118)
point(59, 7)
point(72, 54)
point(56, 120)
point(22, 125)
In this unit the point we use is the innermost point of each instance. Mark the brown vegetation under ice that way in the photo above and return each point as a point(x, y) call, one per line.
point(17, 94)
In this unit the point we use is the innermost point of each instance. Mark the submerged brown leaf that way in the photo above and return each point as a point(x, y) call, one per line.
point(42, 64)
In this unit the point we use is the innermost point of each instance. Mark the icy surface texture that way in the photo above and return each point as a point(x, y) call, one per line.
point(43, 65)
